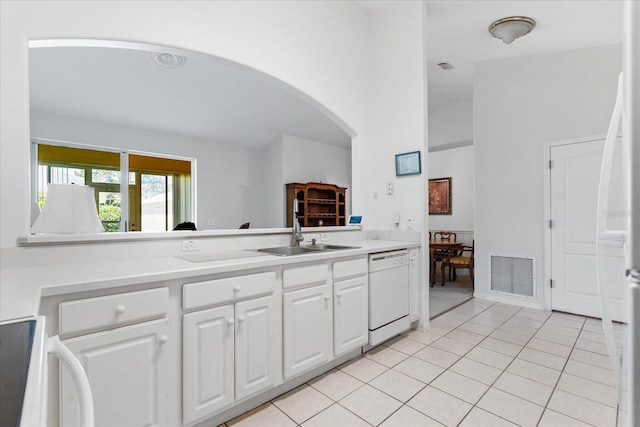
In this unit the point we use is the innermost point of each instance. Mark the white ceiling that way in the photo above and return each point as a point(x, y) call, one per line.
point(215, 101)
point(457, 31)
point(203, 99)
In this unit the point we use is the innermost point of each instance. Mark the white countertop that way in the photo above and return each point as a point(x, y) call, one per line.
point(22, 288)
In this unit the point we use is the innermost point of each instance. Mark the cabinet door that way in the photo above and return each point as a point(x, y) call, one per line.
point(307, 329)
point(351, 321)
point(208, 361)
point(414, 284)
point(127, 372)
point(256, 345)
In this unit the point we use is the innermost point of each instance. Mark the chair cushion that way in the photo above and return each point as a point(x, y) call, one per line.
point(460, 261)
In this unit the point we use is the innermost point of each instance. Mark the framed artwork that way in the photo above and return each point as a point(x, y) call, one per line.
point(440, 196)
point(408, 164)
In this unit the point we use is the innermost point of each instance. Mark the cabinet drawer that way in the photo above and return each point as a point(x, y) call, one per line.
point(306, 275)
point(350, 268)
point(112, 310)
point(214, 292)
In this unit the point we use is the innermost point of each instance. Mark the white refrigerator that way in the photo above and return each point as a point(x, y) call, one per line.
point(630, 388)
point(626, 117)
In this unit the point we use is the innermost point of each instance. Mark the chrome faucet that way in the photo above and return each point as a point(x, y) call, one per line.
point(297, 232)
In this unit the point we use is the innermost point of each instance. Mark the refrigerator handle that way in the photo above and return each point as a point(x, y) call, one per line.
point(80, 380)
point(605, 170)
point(606, 237)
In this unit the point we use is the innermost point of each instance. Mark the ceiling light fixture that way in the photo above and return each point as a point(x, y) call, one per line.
point(168, 60)
point(509, 29)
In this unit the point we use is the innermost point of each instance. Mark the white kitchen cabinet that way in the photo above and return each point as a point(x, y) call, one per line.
point(127, 372)
point(256, 345)
point(230, 352)
point(350, 314)
point(414, 284)
point(308, 328)
point(208, 361)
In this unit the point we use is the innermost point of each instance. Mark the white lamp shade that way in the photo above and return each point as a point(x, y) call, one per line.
point(69, 209)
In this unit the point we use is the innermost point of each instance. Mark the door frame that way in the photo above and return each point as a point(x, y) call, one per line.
point(547, 207)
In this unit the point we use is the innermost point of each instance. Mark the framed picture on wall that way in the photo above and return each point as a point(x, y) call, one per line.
point(408, 164)
point(440, 196)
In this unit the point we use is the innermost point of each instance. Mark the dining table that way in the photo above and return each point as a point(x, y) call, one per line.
point(450, 247)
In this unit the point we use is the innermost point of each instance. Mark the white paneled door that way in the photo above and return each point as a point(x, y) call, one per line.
point(574, 176)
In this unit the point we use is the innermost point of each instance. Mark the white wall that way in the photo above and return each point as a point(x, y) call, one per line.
point(396, 117)
point(456, 163)
point(451, 126)
point(225, 182)
point(310, 161)
point(234, 184)
point(519, 105)
point(272, 192)
point(294, 159)
point(287, 40)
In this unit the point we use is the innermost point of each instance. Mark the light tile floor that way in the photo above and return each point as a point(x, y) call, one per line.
point(452, 294)
point(481, 364)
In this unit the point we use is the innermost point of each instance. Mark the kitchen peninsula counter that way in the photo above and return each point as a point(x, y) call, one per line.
point(22, 288)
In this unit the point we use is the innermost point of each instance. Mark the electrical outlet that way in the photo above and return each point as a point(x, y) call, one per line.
point(409, 224)
point(324, 237)
point(396, 220)
point(389, 189)
point(210, 221)
point(190, 245)
point(310, 237)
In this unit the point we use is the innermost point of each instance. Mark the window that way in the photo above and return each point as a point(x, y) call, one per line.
point(158, 189)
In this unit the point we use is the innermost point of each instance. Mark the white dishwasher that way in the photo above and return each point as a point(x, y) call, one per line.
point(388, 295)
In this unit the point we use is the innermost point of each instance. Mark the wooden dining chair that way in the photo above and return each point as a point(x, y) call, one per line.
point(444, 236)
point(441, 254)
point(463, 260)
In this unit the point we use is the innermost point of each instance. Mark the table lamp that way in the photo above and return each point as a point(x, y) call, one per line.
point(69, 209)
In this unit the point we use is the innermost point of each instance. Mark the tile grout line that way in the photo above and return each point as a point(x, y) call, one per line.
point(547, 322)
point(461, 357)
point(555, 387)
point(475, 405)
point(437, 376)
point(513, 358)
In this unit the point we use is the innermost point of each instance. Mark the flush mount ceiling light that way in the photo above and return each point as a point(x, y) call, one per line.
point(168, 60)
point(509, 29)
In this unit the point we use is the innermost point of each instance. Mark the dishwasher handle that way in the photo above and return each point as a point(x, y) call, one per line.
point(79, 376)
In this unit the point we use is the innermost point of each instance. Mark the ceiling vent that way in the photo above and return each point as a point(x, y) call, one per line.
point(446, 65)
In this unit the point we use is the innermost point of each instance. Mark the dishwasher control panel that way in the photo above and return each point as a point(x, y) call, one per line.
point(391, 259)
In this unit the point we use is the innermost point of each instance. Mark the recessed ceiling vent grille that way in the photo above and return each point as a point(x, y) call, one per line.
point(446, 65)
point(513, 275)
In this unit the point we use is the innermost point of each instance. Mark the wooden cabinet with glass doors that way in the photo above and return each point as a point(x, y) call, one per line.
point(319, 204)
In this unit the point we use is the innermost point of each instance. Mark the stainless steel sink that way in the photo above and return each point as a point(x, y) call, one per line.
point(301, 250)
point(288, 250)
point(327, 247)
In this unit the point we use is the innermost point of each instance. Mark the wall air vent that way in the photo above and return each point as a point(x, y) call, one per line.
point(446, 65)
point(513, 275)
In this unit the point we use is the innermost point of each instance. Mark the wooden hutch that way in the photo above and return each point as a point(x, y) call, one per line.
point(319, 204)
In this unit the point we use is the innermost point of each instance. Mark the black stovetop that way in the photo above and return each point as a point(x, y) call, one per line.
point(16, 340)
